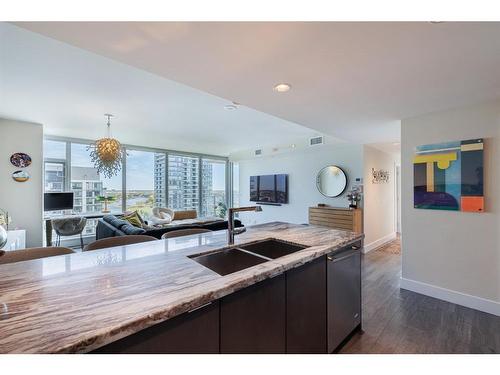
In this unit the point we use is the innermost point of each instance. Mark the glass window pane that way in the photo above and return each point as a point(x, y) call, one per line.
point(213, 175)
point(54, 149)
point(160, 179)
point(236, 184)
point(183, 182)
point(145, 181)
point(87, 185)
point(54, 177)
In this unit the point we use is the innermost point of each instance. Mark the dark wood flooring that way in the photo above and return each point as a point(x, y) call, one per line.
point(400, 321)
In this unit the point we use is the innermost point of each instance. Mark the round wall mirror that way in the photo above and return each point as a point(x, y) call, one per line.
point(331, 181)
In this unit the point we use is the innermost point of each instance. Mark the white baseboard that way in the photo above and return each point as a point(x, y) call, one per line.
point(467, 300)
point(377, 243)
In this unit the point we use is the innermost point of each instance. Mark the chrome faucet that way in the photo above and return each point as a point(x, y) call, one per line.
point(231, 230)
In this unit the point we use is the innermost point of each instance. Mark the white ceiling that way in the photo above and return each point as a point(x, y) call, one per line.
point(351, 80)
point(391, 148)
point(68, 90)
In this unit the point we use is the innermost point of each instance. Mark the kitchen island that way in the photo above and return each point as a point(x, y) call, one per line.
point(136, 298)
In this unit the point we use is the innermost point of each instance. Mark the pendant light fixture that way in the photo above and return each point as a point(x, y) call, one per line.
point(107, 153)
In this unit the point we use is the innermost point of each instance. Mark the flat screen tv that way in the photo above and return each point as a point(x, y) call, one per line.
point(272, 188)
point(57, 201)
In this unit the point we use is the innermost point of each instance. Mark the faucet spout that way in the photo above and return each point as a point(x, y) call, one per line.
point(231, 231)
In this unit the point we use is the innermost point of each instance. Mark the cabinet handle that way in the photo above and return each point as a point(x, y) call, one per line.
point(335, 259)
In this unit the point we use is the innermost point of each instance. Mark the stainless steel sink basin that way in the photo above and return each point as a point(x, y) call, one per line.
point(238, 258)
point(228, 261)
point(272, 248)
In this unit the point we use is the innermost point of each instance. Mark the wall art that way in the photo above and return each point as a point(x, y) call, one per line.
point(20, 160)
point(21, 176)
point(449, 176)
point(380, 176)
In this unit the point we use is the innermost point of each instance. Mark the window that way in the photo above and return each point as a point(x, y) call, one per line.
point(213, 182)
point(87, 185)
point(145, 186)
point(54, 149)
point(160, 179)
point(152, 179)
point(54, 166)
point(54, 176)
point(183, 182)
point(235, 184)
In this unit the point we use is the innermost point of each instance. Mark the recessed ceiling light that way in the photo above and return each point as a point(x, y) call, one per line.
point(282, 87)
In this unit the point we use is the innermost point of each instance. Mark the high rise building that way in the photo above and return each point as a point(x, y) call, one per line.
point(183, 183)
point(160, 199)
point(54, 177)
point(209, 199)
point(86, 187)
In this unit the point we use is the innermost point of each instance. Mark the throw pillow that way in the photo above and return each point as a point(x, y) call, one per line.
point(134, 218)
point(165, 216)
point(131, 229)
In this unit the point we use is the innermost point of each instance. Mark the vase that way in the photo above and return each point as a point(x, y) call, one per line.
point(3, 237)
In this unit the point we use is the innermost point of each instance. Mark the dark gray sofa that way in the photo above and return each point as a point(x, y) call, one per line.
point(111, 226)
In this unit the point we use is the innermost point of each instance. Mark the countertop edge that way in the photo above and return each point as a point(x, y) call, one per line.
point(232, 284)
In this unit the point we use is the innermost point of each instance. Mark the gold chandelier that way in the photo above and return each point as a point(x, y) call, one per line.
point(107, 153)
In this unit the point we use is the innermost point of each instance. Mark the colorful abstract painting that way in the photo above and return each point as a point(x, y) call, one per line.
point(449, 176)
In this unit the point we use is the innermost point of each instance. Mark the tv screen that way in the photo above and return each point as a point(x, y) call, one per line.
point(269, 188)
point(57, 201)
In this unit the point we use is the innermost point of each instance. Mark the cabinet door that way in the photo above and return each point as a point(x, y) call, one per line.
point(253, 319)
point(306, 308)
point(343, 296)
point(195, 332)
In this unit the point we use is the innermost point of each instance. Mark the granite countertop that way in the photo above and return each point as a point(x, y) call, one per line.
point(79, 302)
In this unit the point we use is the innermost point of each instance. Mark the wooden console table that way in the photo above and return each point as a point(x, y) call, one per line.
point(337, 217)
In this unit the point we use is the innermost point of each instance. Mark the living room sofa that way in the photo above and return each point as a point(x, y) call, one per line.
point(112, 226)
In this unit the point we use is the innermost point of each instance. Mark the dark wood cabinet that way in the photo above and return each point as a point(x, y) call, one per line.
point(194, 332)
point(343, 295)
point(252, 320)
point(310, 309)
point(306, 308)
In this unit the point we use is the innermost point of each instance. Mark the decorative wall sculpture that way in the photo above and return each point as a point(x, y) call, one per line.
point(449, 176)
point(20, 160)
point(380, 176)
point(20, 176)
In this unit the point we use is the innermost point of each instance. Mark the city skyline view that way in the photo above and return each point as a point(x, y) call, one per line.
point(145, 181)
point(142, 164)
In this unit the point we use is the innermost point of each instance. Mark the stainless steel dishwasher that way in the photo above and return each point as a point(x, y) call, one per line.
point(343, 294)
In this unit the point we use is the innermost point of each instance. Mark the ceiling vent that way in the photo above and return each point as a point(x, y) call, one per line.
point(316, 141)
point(258, 152)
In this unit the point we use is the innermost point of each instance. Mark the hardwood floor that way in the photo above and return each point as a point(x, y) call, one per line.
point(400, 321)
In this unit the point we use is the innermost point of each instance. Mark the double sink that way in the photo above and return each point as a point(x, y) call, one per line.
point(240, 257)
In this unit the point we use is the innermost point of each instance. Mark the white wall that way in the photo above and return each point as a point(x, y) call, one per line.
point(379, 199)
point(23, 200)
point(448, 254)
point(302, 166)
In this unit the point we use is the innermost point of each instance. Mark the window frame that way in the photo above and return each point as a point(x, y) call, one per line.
point(167, 152)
